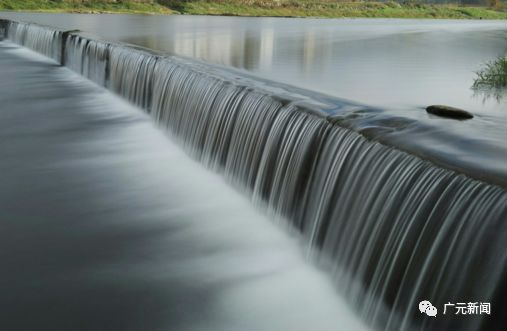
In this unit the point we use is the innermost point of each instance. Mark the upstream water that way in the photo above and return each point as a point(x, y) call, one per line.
point(394, 64)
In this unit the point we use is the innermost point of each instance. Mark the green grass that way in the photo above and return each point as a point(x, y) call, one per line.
point(86, 6)
point(491, 80)
point(322, 8)
point(284, 8)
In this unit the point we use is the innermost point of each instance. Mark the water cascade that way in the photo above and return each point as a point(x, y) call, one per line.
point(41, 39)
point(87, 57)
point(393, 228)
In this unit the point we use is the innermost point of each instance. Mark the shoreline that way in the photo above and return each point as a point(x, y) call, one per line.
point(149, 13)
point(297, 9)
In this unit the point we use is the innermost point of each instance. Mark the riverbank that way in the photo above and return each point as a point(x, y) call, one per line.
point(281, 8)
point(332, 9)
point(88, 7)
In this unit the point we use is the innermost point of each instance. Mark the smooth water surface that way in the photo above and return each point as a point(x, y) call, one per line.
point(389, 63)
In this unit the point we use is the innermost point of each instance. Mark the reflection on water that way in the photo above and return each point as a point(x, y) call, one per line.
point(491, 80)
point(399, 64)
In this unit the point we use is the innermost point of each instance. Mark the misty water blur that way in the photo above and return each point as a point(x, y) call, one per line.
point(106, 224)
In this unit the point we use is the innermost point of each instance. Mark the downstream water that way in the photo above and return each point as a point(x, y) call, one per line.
point(107, 225)
point(394, 64)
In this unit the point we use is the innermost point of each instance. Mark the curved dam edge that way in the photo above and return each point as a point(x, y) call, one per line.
point(479, 158)
point(484, 161)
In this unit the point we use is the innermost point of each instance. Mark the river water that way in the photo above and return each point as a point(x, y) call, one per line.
point(389, 63)
point(108, 224)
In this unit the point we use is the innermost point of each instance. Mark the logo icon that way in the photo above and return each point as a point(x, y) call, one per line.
point(426, 307)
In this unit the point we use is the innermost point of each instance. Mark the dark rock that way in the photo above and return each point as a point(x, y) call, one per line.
point(449, 112)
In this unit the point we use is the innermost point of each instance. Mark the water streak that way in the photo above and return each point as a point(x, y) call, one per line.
point(87, 57)
point(41, 39)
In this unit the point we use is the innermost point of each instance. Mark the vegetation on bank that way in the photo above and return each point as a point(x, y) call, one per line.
point(283, 8)
point(491, 80)
point(86, 6)
point(332, 8)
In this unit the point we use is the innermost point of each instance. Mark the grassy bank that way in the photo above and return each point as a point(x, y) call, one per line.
point(328, 8)
point(91, 6)
point(284, 8)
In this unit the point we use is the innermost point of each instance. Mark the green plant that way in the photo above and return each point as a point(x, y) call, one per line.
point(491, 80)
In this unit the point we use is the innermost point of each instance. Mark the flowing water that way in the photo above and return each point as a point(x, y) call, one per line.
point(107, 225)
point(391, 227)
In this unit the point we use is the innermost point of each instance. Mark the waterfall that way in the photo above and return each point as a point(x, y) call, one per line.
point(391, 227)
point(41, 39)
point(3, 28)
point(87, 57)
point(132, 75)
